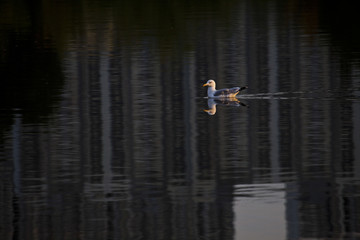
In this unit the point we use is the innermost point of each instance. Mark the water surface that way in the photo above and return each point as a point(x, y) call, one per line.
point(103, 133)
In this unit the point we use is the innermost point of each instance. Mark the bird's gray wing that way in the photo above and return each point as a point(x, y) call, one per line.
point(226, 91)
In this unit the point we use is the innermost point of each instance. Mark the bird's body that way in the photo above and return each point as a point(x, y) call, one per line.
point(221, 93)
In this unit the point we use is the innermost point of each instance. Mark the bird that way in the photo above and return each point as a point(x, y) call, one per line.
point(221, 93)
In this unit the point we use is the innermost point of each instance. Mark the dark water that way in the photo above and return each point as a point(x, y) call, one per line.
point(103, 133)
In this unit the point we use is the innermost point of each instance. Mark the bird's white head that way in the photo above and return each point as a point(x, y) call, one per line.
point(210, 83)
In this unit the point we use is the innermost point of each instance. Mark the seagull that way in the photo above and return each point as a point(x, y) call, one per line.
point(221, 93)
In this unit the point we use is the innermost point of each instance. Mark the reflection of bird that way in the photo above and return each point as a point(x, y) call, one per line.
point(212, 107)
point(222, 93)
point(224, 101)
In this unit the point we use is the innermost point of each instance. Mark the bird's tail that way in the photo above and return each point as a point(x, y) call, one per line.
point(243, 88)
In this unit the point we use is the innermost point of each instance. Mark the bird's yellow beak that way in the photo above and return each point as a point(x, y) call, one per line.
point(205, 85)
point(206, 110)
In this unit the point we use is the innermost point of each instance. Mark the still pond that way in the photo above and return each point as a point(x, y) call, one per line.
point(106, 131)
